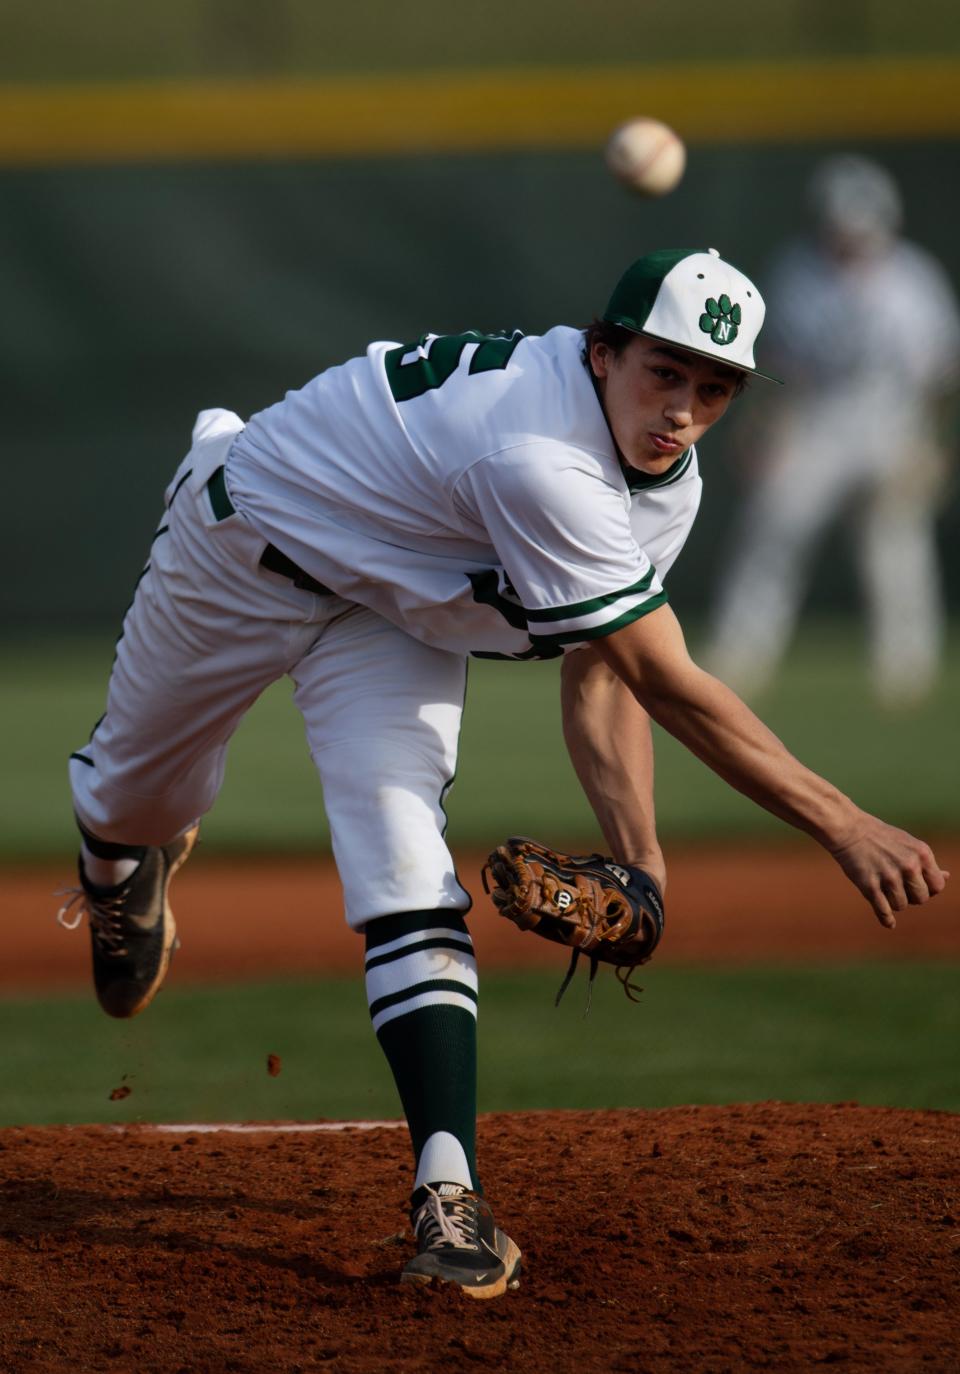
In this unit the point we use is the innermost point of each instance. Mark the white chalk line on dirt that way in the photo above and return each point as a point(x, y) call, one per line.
point(258, 1128)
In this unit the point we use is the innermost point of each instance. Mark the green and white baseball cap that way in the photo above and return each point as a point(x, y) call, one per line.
point(691, 298)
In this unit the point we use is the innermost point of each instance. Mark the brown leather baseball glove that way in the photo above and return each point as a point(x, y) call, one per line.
point(610, 912)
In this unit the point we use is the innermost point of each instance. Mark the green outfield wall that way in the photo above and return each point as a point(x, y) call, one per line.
point(113, 39)
point(206, 202)
point(135, 294)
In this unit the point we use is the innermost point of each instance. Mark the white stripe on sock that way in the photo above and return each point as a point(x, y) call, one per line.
point(420, 967)
point(415, 938)
point(424, 999)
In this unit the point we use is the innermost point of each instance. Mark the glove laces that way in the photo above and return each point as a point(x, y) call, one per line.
point(622, 971)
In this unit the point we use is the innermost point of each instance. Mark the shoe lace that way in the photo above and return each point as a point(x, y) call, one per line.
point(105, 915)
point(442, 1221)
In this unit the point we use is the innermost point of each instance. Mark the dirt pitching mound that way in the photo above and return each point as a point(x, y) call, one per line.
point(689, 1239)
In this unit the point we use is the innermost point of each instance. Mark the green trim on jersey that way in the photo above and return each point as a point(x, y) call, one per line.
point(594, 603)
point(486, 591)
point(220, 502)
point(528, 656)
point(643, 481)
point(440, 359)
point(610, 627)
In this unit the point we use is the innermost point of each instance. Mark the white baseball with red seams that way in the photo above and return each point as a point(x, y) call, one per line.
point(646, 155)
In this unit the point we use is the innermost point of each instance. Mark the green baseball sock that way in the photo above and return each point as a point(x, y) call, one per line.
point(421, 988)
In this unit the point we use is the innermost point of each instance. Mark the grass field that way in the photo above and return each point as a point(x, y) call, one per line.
point(514, 774)
point(882, 1035)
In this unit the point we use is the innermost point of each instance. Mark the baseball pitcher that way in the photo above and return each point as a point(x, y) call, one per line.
point(504, 495)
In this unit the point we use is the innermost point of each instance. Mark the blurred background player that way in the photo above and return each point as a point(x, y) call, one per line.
point(864, 329)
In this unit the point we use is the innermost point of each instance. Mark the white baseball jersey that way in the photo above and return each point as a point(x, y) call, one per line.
point(864, 346)
point(867, 348)
point(466, 488)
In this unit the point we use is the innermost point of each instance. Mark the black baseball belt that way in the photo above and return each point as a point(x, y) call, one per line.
point(271, 558)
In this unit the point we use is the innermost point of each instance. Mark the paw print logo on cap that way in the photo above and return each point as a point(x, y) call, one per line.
point(721, 320)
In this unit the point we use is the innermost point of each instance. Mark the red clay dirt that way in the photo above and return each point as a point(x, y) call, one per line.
point(696, 1240)
point(683, 1241)
point(245, 919)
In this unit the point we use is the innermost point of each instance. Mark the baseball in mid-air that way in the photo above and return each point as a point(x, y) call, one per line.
point(646, 155)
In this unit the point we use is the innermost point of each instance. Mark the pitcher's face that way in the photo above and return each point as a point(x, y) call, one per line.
point(659, 399)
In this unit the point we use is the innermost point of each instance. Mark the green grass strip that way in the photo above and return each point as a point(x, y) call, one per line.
point(514, 775)
point(879, 1034)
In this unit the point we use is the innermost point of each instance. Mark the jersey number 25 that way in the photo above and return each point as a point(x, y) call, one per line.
point(417, 367)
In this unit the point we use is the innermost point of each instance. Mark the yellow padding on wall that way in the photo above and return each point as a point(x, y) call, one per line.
point(471, 111)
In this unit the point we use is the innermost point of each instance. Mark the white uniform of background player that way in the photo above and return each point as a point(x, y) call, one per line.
point(864, 330)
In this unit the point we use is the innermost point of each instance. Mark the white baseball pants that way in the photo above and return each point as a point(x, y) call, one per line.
point(208, 630)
